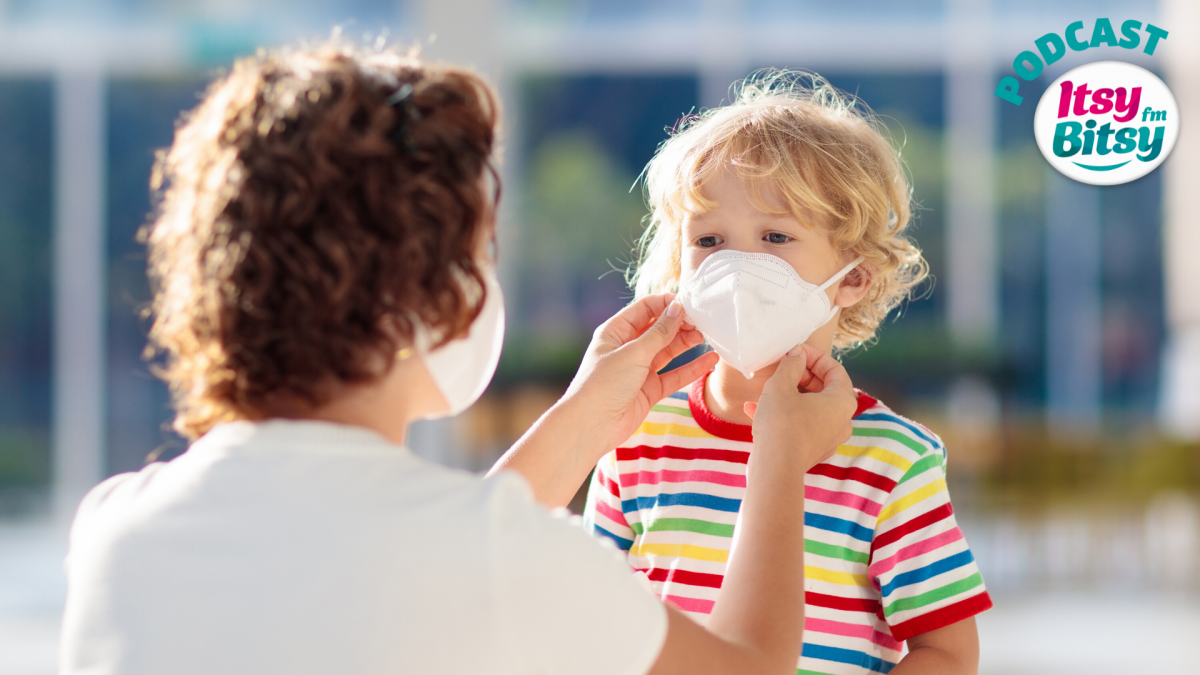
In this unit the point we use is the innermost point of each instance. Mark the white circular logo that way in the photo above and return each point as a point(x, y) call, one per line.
point(1106, 123)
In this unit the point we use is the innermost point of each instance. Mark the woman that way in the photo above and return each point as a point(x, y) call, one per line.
point(324, 276)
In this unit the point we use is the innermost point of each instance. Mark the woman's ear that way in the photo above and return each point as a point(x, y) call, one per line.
point(854, 286)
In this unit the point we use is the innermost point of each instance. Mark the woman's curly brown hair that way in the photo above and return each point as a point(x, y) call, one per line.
point(308, 220)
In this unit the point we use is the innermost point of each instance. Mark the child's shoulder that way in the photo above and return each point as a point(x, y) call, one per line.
point(876, 421)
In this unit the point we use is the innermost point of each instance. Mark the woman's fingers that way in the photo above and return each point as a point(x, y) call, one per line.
point(674, 380)
point(684, 340)
point(825, 370)
point(632, 321)
point(789, 371)
point(750, 407)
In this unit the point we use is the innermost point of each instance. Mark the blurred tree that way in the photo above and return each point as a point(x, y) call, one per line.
point(581, 222)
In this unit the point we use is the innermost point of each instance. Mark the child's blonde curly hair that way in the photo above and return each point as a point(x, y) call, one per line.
point(827, 154)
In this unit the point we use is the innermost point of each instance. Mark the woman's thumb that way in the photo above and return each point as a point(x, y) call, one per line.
point(665, 328)
point(790, 369)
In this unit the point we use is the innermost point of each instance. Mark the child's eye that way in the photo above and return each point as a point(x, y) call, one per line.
point(778, 238)
point(708, 242)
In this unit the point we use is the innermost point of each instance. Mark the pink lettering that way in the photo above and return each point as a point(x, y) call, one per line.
point(1131, 108)
point(1101, 101)
point(1064, 101)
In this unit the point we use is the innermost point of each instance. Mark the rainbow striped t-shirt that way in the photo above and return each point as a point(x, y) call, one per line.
point(884, 558)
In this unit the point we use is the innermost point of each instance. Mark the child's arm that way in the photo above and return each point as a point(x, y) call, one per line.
point(950, 650)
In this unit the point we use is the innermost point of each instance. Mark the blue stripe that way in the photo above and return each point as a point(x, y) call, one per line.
point(850, 656)
point(622, 543)
point(838, 525)
point(883, 417)
point(929, 571)
point(681, 499)
point(679, 396)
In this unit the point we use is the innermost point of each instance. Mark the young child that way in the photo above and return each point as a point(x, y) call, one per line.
point(780, 219)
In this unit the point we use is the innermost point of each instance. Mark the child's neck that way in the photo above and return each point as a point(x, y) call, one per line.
point(727, 391)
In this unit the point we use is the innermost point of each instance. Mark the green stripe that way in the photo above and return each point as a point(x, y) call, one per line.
point(839, 552)
point(936, 594)
point(662, 407)
point(801, 671)
point(686, 525)
point(917, 446)
point(921, 466)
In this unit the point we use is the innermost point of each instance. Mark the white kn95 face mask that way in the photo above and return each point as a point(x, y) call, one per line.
point(753, 308)
point(463, 368)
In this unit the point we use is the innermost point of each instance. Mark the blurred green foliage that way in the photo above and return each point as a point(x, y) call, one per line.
point(24, 458)
point(581, 214)
point(582, 220)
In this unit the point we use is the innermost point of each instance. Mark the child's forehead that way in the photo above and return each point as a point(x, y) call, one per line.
point(769, 195)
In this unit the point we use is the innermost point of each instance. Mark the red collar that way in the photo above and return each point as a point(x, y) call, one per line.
point(741, 432)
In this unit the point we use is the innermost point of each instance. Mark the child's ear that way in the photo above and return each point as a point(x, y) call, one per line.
point(854, 286)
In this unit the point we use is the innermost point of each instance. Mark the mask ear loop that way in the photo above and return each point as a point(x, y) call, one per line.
point(844, 271)
point(821, 289)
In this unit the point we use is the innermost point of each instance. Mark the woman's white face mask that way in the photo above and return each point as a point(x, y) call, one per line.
point(463, 368)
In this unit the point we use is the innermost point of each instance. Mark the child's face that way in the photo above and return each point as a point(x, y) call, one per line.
point(737, 224)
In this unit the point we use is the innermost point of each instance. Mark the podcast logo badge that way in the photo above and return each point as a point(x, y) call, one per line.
point(1106, 123)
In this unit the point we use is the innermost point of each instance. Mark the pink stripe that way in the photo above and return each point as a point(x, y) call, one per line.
point(851, 630)
point(654, 477)
point(914, 550)
point(690, 604)
point(609, 512)
point(849, 499)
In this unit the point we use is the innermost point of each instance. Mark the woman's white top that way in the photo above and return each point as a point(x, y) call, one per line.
point(309, 547)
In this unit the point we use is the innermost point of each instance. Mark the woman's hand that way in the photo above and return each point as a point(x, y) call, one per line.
point(619, 376)
point(617, 383)
point(805, 408)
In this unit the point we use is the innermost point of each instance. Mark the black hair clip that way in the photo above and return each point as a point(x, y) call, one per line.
point(407, 113)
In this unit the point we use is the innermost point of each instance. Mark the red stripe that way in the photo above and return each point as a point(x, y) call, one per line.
point(743, 432)
point(673, 452)
point(866, 402)
point(838, 602)
point(940, 618)
point(632, 479)
point(711, 423)
point(920, 522)
point(608, 483)
point(664, 574)
point(855, 474)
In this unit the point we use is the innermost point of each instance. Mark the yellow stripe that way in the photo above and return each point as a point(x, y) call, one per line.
point(841, 578)
point(681, 551)
point(658, 429)
point(876, 453)
point(911, 498)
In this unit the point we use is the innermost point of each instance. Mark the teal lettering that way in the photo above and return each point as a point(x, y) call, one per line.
point(1051, 47)
point(1028, 65)
point(1156, 34)
point(1102, 135)
point(1130, 30)
point(1066, 139)
point(1151, 148)
point(1007, 90)
point(1126, 140)
point(1072, 41)
point(1103, 32)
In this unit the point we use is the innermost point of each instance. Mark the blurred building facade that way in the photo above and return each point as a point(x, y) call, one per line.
point(1051, 306)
